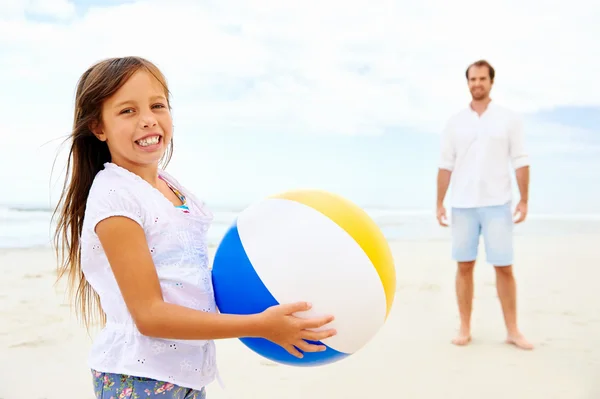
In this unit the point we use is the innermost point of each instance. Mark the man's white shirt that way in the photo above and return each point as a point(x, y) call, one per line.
point(481, 152)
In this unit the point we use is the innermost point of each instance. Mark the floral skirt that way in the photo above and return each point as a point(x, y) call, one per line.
point(118, 386)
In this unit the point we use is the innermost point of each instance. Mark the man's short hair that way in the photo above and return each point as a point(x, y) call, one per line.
point(482, 63)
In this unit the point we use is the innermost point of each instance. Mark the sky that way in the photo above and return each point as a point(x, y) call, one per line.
point(270, 95)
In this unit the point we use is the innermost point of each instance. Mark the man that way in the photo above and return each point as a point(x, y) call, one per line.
point(478, 146)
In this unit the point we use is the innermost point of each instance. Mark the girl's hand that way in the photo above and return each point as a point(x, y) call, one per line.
point(279, 325)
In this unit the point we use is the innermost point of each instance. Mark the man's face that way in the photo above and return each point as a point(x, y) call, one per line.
point(480, 83)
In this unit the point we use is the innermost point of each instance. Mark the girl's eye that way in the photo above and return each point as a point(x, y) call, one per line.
point(155, 106)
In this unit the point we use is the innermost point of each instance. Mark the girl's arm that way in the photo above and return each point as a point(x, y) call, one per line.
point(126, 248)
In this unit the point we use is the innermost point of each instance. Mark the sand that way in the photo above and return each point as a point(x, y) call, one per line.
point(43, 349)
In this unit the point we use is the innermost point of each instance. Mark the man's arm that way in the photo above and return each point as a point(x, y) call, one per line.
point(520, 162)
point(446, 163)
point(443, 182)
point(519, 158)
point(445, 167)
point(522, 175)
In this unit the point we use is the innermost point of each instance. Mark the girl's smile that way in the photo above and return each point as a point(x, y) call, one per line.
point(150, 142)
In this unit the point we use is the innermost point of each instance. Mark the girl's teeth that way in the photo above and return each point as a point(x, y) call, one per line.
point(148, 141)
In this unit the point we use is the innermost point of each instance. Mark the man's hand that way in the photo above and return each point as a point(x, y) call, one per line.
point(441, 216)
point(520, 212)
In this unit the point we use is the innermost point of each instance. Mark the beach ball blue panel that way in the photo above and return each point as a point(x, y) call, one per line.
point(245, 293)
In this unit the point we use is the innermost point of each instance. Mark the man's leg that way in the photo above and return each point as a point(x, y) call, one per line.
point(464, 298)
point(465, 240)
point(497, 229)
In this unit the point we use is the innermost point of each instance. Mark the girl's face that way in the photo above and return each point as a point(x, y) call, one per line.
point(136, 123)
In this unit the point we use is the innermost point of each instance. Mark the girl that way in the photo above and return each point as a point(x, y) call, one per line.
point(132, 241)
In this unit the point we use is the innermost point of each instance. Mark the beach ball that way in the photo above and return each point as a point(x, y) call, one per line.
point(307, 245)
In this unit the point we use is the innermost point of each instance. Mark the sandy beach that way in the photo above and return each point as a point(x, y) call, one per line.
point(43, 349)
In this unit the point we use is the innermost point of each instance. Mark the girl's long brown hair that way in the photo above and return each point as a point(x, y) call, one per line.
point(87, 155)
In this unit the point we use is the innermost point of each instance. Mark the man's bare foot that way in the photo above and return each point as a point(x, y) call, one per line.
point(519, 341)
point(463, 338)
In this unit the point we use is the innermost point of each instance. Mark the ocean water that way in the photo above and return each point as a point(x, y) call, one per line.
point(26, 227)
point(23, 227)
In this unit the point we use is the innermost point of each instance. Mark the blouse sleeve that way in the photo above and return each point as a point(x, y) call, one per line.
point(106, 201)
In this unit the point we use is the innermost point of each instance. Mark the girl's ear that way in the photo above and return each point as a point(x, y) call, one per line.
point(96, 129)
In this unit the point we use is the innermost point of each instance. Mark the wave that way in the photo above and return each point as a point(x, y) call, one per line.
point(226, 214)
point(25, 208)
point(24, 214)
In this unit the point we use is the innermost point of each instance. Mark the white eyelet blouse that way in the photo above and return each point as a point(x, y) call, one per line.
point(177, 242)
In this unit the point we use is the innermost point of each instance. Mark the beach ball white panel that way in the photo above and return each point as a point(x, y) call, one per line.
point(302, 255)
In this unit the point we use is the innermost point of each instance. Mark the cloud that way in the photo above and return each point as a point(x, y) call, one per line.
point(306, 66)
point(50, 9)
point(277, 67)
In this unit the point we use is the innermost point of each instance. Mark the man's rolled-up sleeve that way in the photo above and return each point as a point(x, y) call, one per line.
point(447, 151)
point(518, 154)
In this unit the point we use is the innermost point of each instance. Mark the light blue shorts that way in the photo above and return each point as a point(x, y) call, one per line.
point(494, 223)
